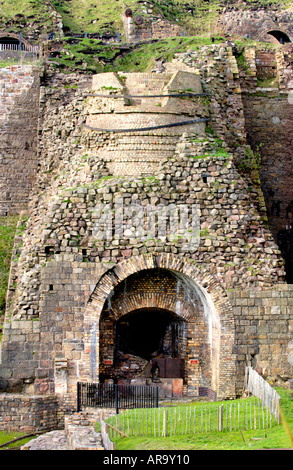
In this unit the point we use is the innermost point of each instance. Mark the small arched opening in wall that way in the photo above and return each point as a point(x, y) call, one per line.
point(160, 311)
point(13, 42)
point(280, 36)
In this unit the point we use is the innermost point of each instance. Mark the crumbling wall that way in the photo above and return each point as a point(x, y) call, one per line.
point(254, 24)
point(140, 28)
point(268, 121)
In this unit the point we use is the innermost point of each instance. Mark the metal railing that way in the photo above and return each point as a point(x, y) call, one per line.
point(100, 395)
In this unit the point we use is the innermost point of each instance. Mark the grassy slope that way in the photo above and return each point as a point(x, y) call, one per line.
point(272, 438)
point(34, 10)
point(100, 58)
point(106, 15)
point(86, 15)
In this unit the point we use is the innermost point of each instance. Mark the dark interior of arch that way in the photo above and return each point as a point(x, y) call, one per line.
point(280, 36)
point(143, 333)
point(8, 40)
point(12, 41)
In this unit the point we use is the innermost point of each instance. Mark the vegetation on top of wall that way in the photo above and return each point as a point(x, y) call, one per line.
point(92, 56)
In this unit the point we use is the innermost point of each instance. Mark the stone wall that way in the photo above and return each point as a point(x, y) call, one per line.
point(27, 413)
point(268, 120)
point(137, 29)
point(264, 332)
point(19, 86)
point(254, 24)
point(71, 254)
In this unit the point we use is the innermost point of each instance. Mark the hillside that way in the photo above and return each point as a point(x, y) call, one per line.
point(36, 17)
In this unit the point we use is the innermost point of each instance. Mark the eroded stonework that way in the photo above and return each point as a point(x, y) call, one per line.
point(102, 250)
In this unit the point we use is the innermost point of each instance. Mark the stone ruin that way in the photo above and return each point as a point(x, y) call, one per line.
point(145, 252)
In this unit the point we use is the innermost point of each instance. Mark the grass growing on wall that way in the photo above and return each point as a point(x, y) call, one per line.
point(78, 16)
point(91, 56)
point(195, 16)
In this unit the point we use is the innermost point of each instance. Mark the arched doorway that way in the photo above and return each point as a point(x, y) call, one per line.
point(10, 41)
point(282, 37)
point(155, 319)
point(162, 290)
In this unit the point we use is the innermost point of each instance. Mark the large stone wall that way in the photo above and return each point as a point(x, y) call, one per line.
point(255, 24)
point(19, 87)
point(263, 323)
point(268, 120)
point(71, 254)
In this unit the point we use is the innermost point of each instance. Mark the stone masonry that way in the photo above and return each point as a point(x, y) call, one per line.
point(19, 89)
point(102, 248)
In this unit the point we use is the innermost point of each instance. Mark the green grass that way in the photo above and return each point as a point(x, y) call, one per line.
point(36, 9)
point(86, 15)
point(10, 436)
point(7, 233)
point(92, 56)
point(274, 437)
point(80, 16)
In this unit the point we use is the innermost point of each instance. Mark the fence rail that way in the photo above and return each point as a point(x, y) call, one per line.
point(175, 421)
point(107, 443)
point(19, 48)
point(257, 386)
point(100, 395)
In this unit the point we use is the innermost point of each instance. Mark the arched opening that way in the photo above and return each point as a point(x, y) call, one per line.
point(154, 326)
point(14, 42)
point(283, 38)
point(180, 288)
point(10, 43)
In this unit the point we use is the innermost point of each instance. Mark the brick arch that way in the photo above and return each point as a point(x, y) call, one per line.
point(162, 301)
point(186, 269)
point(16, 37)
point(216, 310)
point(153, 288)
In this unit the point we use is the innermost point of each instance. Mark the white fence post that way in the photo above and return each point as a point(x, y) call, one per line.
point(256, 385)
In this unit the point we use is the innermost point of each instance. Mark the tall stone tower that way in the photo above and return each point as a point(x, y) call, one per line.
point(146, 243)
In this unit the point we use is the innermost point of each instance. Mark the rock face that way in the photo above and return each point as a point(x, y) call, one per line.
point(148, 214)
